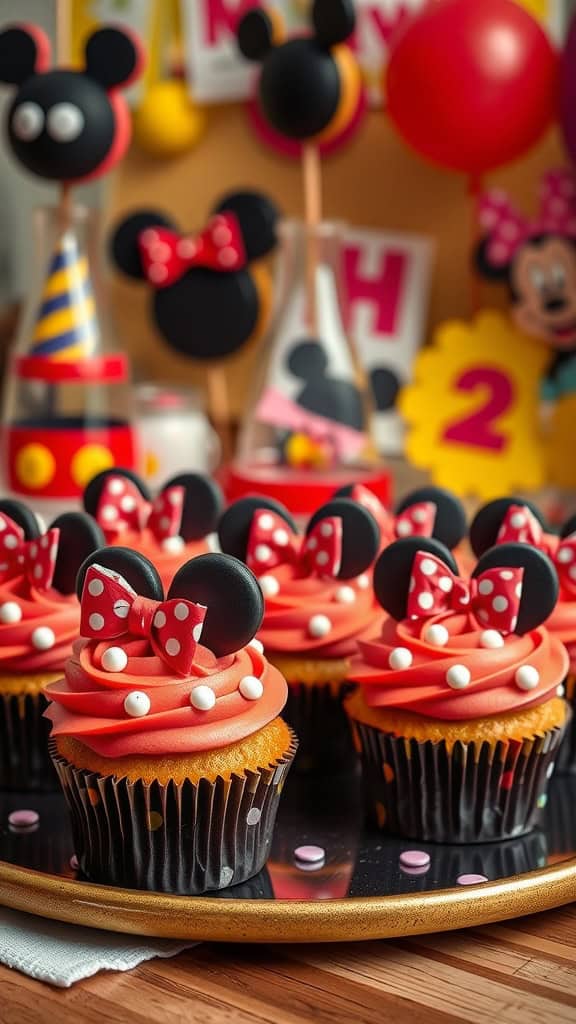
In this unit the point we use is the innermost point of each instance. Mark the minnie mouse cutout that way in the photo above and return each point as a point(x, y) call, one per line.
point(537, 260)
point(68, 125)
point(208, 298)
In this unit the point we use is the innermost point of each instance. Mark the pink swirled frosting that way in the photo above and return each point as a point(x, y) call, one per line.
point(347, 606)
point(524, 671)
point(89, 703)
point(37, 627)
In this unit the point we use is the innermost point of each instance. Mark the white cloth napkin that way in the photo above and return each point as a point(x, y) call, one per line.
point(62, 954)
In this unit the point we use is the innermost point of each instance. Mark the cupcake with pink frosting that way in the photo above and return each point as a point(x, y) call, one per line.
point(457, 711)
point(39, 621)
point(318, 604)
point(166, 727)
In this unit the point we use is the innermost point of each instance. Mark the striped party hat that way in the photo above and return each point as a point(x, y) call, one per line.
point(66, 328)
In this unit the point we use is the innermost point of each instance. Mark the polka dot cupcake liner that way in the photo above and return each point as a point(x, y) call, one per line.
point(25, 763)
point(473, 793)
point(566, 761)
point(317, 715)
point(180, 838)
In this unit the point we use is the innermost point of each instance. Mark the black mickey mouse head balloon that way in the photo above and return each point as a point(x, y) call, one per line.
point(68, 125)
point(309, 87)
point(209, 295)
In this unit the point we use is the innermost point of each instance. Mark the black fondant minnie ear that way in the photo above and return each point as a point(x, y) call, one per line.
point(486, 523)
point(113, 57)
point(393, 571)
point(258, 218)
point(137, 570)
point(80, 535)
point(540, 584)
point(230, 592)
point(568, 527)
point(235, 525)
point(93, 491)
point(450, 518)
point(23, 516)
point(333, 20)
point(360, 535)
point(123, 241)
point(24, 51)
point(203, 502)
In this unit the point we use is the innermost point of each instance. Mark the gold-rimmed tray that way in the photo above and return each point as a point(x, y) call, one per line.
point(359, 892)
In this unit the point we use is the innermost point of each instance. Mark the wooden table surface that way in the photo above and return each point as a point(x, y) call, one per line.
point(520, 972)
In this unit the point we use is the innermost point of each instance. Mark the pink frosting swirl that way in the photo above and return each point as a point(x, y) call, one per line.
point(37, 627)
point(520, 673)
point(347, 606)
point(90, 703)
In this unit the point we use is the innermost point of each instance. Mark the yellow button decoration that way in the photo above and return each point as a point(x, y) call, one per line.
point(35, 466)
point(88, 461)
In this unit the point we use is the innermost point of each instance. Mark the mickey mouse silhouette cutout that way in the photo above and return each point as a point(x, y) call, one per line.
point(332, 398)
point(309, 87)
point(536, 259)
point(209, 293)
point(63, 124)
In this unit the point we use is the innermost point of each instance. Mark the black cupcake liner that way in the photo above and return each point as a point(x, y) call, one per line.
point(182, 838)
point(566, 762)
point(316, 713)
point(25, 763)
point(559, 816)
point(474, 793)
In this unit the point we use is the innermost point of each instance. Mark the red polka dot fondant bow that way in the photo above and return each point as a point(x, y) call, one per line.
point(166, 256)
point(508, 229)
point(35, 559)
point(493, 596)
point(521, 525)
point(271, 542)
point(121, 507)
point(416, 520)
point(110, 609)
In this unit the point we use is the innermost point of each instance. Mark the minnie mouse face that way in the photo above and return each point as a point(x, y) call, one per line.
point(68, 125)
point(207, 300)
point(542, 281)
point(309, 87)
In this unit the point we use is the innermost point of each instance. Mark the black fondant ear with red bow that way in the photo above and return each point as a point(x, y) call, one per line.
point(393, 571)
point(230, 592)
point(123, 242)
point(203, 503)
point(258, 218)
point(487, 522)
point(93, 491)
point(449, 517)
point(540, 587)
point(23, 516)
point(360, 535)
point(236, 523)
point(133, 567)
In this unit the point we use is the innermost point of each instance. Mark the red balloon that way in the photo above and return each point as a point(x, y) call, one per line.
point(472, 84)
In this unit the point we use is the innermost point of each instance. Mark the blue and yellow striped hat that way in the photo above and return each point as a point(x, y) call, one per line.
point(66, 326)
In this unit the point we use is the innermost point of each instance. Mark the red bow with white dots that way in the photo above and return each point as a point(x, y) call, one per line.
point(35, 559)
point(166, 256)
point(415, 520)
point(111, 609)
point(521, 525)
point(271, 542)
point(493, 597)
point(122, 507)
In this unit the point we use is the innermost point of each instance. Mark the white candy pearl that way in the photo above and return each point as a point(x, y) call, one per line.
point(527, 677)
point(137, 704)
point(269, 586)
point(319, 625)
point(491, 639)
point(257, 645)
point(437, 635)
point(458, 677)
point(400, 658)
point(43, 638)
point(251, 688)
point(202, 698)
point(345, 595)
point(173, 545)
point(114, 659)
point(363, 582)
point(10, 612)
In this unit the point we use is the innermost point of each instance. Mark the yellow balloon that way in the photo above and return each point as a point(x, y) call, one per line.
point(167, 122)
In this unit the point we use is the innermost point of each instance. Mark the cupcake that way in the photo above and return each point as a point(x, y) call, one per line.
point(516, 520)
point(319, 602)
point(165, 729)
point(169, 530)
point(456, 714)
point(39, 620)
